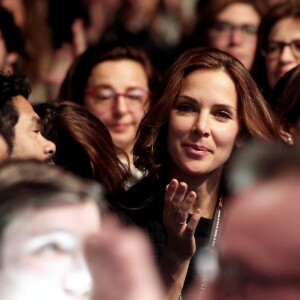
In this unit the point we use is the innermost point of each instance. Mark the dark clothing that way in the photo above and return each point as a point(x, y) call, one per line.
point(144, 204)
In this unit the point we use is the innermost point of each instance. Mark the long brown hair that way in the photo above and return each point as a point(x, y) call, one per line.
point(255, 118)
point(83, 144)
point(286, 98)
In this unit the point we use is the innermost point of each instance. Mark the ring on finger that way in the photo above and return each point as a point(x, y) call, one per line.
point(181, 223)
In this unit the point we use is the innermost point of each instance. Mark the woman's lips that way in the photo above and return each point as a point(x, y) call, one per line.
point(196, 149)
point(120, 127)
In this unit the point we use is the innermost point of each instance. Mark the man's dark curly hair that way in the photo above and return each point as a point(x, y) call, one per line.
point(11, 85)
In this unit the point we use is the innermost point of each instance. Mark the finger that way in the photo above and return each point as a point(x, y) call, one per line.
point(170, 192)
point(179, 194)
point(193, 222)
point(79, 36)
point(185, 208)
point(171, 189)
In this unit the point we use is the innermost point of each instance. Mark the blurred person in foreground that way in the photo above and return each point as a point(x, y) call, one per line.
point(258, 253)
point(42, 253)
point(52, 246)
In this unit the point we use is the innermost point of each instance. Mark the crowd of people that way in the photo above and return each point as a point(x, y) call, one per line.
point(149, 149)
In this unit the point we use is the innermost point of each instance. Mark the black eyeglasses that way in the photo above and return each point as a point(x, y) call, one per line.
point(273, 49)
point(226, 28)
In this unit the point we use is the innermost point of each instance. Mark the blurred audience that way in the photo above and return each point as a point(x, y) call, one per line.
point(11, 43)
point(157, 25)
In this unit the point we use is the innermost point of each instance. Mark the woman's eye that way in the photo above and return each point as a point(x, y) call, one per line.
point(134, 97)
point(102, 97)
point(273, 47)
point(185, 107)
point(223, 115)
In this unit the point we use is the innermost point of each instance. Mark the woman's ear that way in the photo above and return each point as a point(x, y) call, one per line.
point(285, 134)
point(11, 59)
point(239, 142)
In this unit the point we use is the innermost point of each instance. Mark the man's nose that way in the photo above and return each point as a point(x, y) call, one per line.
point(78, 281)
point(49, 148)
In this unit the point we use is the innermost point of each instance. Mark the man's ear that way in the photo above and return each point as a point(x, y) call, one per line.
point(285, 134)
point(11, 59)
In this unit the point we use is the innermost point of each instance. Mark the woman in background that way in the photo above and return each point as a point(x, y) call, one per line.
point(286, 105)
point(278, 44)
point(231, 26)
point(113, 82)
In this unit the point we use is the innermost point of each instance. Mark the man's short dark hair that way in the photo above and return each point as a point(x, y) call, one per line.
point(11, 85)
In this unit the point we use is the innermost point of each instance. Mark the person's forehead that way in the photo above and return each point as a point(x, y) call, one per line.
point(269, 195)
point(239, 12)
point(24, 108)
point(81, 217)
point(22, 104)
point(285, 28)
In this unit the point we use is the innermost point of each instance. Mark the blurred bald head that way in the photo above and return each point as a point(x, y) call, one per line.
point(259, 250)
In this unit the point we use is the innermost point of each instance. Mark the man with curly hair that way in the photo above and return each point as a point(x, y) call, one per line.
point(19, 125)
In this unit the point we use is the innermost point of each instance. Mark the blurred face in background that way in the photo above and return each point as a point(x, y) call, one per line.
point(117, 93)
point(235, 32)
point(42, 253)
point(283, 49)
point(17, 9)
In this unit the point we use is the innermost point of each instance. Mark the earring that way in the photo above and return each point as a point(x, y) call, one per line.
point(290, 141)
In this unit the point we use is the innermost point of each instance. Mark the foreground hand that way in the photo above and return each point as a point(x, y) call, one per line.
point(122, 264)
